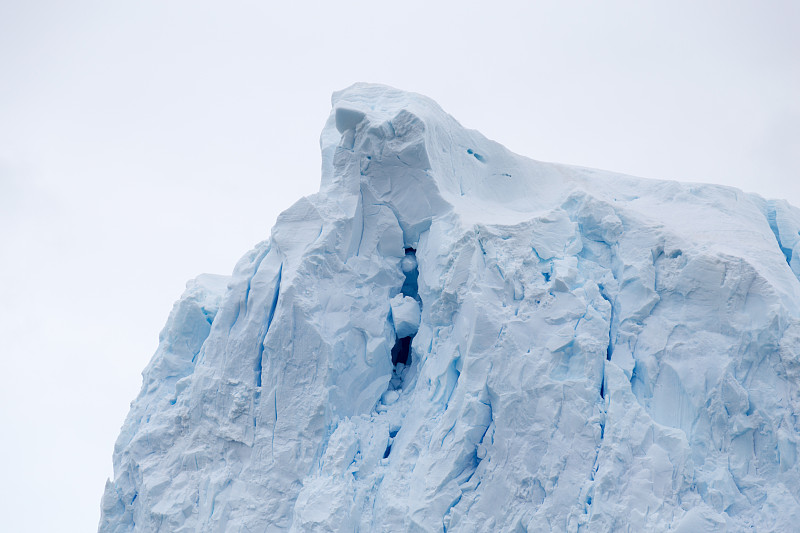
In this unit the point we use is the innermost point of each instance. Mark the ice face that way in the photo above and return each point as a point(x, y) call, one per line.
point(405, 315)
point(451, 337)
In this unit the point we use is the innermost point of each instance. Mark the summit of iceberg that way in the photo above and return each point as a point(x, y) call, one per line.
point(453, 337)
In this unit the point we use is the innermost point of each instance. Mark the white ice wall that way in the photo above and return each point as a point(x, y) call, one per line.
point(593, 351)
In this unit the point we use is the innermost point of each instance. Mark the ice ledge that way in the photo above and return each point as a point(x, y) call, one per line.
point(401, 150)
point(382, 103)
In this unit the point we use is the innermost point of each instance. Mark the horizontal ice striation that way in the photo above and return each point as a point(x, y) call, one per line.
point(586, 351)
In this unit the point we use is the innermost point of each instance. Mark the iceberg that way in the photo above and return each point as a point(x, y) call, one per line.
point(450, 337)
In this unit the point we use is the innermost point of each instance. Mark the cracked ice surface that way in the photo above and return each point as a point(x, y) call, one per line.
point(591, 351)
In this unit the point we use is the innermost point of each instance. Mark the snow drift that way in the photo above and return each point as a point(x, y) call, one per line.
point(452, 337)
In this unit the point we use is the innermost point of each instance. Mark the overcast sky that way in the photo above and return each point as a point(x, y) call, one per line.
point(142, 143)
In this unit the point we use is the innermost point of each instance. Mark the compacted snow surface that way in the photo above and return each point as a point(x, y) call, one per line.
point(452, 337)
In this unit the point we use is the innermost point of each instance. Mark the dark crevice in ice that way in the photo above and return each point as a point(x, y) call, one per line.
point(390, 442)
point(409, 267)
point(401, 351)
point(611, 332)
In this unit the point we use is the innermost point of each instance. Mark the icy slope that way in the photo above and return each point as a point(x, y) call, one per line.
point(449, 336)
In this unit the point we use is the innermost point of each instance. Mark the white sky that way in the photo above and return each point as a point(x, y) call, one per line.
point(142, 143)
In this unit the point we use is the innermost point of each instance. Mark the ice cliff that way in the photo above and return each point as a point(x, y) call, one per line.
point(452, 337)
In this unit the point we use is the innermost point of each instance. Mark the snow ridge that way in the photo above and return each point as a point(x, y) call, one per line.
point(452, 337)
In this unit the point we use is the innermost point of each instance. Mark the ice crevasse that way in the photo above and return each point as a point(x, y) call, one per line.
point(452, 337)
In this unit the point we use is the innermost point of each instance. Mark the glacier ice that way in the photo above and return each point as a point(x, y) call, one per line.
point(583, 351)
point(405, 315)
